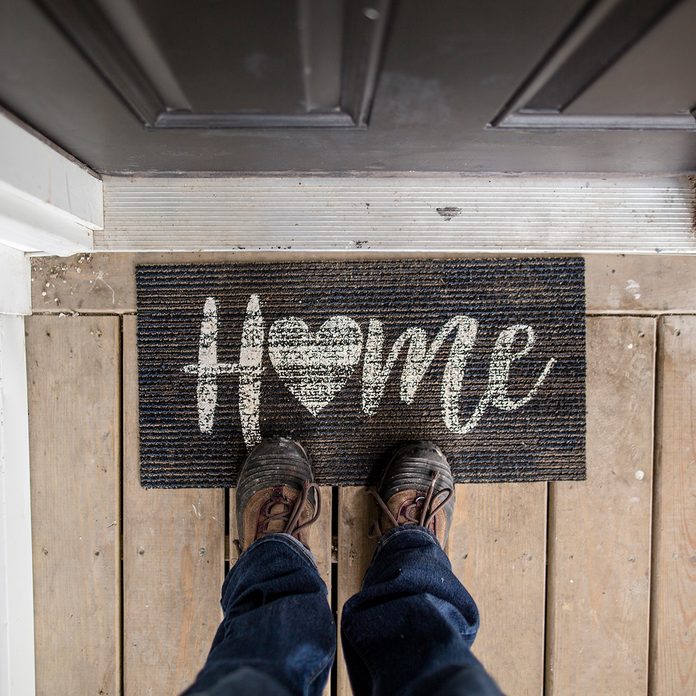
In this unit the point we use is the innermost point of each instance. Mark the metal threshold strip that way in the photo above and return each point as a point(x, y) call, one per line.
point(399, 214)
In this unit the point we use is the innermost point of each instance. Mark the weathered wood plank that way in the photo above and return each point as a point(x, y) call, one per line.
point(320, 537)
point(74, 415)
point(356, 512)
point(600, 530)
point(173, 564)
point(673, 637)
point(498, 550)
point(106, 282)
point(640, 284)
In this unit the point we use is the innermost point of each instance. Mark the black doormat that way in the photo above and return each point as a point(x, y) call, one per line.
point(484, 356)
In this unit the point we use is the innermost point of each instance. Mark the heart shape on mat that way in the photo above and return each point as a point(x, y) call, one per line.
point(315, 367)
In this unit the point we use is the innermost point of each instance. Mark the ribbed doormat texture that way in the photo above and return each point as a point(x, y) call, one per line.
point(484, 356)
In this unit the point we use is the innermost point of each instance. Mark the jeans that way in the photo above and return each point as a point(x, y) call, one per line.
point(408, 631)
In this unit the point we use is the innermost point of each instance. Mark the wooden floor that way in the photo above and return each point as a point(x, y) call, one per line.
point(584, 588)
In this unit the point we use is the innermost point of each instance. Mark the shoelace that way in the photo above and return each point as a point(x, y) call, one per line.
point(291, 511)
point(420, 510)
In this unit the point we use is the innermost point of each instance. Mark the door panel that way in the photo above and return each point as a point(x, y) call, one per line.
point(657, 77)
point(624, 64)
point(210, 64)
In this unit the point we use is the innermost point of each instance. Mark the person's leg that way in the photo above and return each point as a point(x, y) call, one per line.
point(277, 635)
point(410, 629)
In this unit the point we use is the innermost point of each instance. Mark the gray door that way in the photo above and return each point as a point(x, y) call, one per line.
point(340, 85)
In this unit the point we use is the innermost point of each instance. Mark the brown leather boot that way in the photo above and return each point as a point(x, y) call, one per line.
point(417, 488)
point(276, 493)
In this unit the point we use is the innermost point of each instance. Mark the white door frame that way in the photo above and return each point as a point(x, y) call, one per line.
point(16, 587)
point(49, 203)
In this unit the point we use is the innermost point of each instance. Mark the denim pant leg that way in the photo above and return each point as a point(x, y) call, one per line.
point(278, 634)
point(410, 629)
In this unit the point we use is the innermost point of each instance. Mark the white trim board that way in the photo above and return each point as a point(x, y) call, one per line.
point(16, 570)
point(34, 169)
point(15, 281)
point(16, 583)
point(48, 202)
point(413, 213)
point(31, 227)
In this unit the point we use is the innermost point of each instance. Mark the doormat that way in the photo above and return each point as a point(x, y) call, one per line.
point(484, 356)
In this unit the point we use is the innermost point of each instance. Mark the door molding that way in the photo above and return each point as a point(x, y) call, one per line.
point(341, 46)
point(595, 42)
